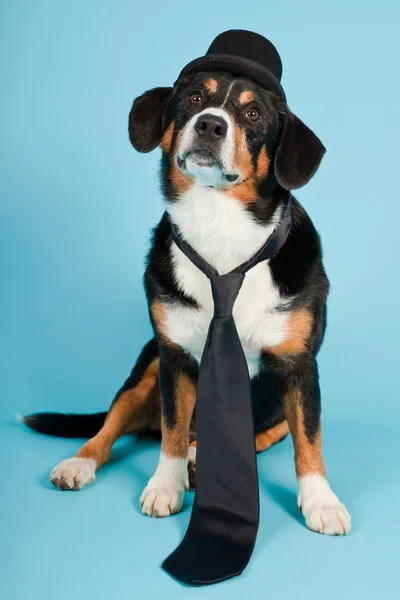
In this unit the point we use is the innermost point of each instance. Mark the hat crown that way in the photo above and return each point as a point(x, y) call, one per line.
point(242, 54)
point(248, 45)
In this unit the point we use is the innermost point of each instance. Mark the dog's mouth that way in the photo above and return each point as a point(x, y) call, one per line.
point(204, 166)
point(201, 157)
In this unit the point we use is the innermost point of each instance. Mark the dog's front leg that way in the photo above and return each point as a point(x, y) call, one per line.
point(298, 376)
point(321, 508)
point(163, 494)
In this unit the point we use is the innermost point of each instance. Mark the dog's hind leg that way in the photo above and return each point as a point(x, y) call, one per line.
point(272, 436)
point(134, 409)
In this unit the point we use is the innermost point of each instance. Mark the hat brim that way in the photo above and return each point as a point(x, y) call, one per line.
point(238, 66)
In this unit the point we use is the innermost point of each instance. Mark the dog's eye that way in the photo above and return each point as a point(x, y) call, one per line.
point(195, 98)
point(253, 114)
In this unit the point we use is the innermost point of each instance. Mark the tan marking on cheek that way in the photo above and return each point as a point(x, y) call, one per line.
point(212, 85)
point(308, 456)
point(178, 180)
point(242, 154)
point(246, 97)
point(263, 163)
point(299, 329)
point(175, 440)
point(266, 439)
point(135, 409)
point(167, 138)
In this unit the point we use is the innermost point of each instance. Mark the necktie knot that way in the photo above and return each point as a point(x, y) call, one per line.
point(225, 289)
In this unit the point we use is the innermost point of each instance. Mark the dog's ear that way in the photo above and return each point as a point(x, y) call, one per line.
point(146, 119)
point(299, 152)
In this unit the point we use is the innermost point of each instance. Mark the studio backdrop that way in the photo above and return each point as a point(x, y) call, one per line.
point(77, 206)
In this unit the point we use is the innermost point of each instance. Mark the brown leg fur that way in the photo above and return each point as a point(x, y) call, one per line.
point(308, 456)
point(175, 440)
point(266, 439)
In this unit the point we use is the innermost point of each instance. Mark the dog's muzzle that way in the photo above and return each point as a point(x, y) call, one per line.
point(206, 150)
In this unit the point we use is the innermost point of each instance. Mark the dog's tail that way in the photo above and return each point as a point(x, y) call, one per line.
point(65, 425)
point(86, 426)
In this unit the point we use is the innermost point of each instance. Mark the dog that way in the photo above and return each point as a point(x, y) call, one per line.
point(229, 149)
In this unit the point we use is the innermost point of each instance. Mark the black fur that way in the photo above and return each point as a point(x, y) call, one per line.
point(159, 274)
point(299, 152)
point(66, 425)
point(173, 361)
point(145, 119)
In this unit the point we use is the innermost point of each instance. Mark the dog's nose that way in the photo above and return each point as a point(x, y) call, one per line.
point(211, 127)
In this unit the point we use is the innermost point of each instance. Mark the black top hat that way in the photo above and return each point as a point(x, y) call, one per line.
point(243, 54)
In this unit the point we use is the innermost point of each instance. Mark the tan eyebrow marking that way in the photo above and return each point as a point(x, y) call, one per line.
point(246, 96)
point(212, 85)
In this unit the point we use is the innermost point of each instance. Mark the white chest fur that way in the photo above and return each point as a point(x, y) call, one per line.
point(218, 227)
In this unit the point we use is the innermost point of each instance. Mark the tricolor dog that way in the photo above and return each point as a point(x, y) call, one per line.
point(229, 149)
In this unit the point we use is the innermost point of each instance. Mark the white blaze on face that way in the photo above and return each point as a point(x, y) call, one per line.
point(208, 174)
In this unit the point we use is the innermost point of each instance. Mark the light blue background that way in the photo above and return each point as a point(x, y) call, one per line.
point(77, 206)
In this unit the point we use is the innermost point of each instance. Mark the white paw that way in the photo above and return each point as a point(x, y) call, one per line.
point(161, 501)
point(331, 519)
point(321, 508)
point(73, 473)
point(163, 495)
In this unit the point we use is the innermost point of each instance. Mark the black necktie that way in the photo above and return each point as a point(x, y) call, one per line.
point(223, 526)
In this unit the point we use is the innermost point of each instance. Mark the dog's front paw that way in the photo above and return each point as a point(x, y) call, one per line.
point(331, 519)
point(161, 500)
point(321, 508)
point(163, 495)
point(73, 473)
